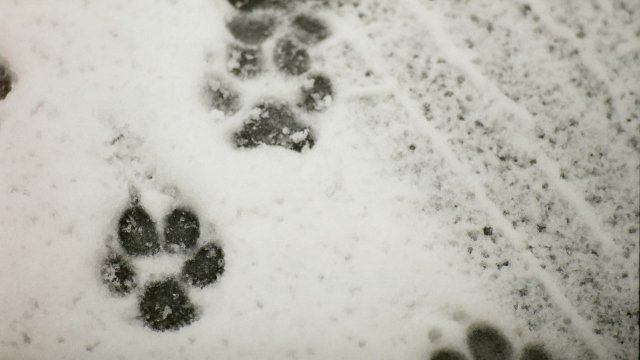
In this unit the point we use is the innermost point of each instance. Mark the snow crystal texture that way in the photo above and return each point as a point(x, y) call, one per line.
point(268, 179)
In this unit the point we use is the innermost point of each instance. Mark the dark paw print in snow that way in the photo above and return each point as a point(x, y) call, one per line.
point(246, 5)
point(117, 273)
point(291, 58)
point(309, 30)
point(245, 61)
point(274, 124)
point(221, 96)
point(164, 305)
point(252, 29)
point(5, 82)
point(488, 343)
point(316, 95)
point(447, 355)
point(181, 231)
point(250, 5)
point(535, 352)
point(205, 267)
point(137, 232)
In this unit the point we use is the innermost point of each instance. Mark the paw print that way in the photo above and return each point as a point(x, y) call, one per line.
point(487, 342)
point(163, 304)
point(5, 80)
point(272, 122)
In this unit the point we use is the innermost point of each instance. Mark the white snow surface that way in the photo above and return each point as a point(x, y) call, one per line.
point(448, 117)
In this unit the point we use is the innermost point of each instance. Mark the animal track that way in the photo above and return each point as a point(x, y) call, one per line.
point(163, 304)
point(118, 274)
point(5, 81)
point(274, 124)
point(245, 61)
point(317, 94)
point(181, 231)
point(487, 342)
point(137, 232)
point(291, 58)
point(252, 28)
point(535, 352)
point(205, 267)
point(309, 30)
point(447, 355)
point(249, 5)
point(271, 122)
point(221, 96)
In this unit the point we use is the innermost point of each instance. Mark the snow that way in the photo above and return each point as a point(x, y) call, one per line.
point(477, 163)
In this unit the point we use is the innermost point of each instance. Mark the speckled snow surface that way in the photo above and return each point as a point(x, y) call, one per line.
point(474, 166)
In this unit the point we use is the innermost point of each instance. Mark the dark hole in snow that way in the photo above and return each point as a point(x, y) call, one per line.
point(252, 28)
point(245, 61)
point(181, 230)
point(488, 343)
point(165, 306)
point(274, 124)
point(487, 230)
point(309, 29)
point(317, 97)
point(446, 354)
point(205, 267)
point(137, 232)
point(291, 58)
point(118, 274)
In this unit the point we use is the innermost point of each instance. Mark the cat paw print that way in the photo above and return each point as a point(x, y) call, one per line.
point(487, 342)
point(272, 122)
point(164, 303)
point(6, 80)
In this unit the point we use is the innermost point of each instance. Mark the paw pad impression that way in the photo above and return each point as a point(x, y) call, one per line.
point(163, 304)
point(309, 29)
point(487, 342)
point(137, 232)
point(274, 123)
point(316, 94)
point(5, 81)
point(291, 58)
point(181, 231)
point(245, 61)
point(271, 122)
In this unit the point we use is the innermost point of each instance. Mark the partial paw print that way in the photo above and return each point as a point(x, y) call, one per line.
point(164, 303)
point(487, 342)
point(272, 122)
point(6, 80)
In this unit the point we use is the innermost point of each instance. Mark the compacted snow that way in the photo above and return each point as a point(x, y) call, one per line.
point(421, 179)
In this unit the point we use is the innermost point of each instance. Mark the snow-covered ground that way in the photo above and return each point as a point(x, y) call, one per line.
point(471, 182)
